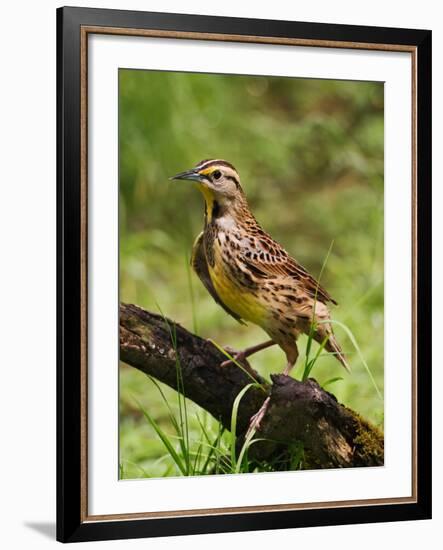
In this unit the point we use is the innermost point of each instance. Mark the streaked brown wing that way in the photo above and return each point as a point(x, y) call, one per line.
point(268, 259)
point(200, 266)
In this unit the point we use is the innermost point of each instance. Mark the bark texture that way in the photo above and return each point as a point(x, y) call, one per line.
point(299, 413)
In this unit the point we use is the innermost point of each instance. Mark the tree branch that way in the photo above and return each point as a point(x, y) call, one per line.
point(299, 412)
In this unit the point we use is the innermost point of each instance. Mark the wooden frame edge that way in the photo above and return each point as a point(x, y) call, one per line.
point(84, 31)
point(199, 512)
point(84, 273)
point(195, 35)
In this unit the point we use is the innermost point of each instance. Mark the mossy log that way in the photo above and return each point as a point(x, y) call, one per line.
point(332, 435)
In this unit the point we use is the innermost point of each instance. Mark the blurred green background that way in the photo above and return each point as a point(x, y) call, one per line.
point(310, 157)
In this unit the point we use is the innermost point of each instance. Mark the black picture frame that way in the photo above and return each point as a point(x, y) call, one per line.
point(71, 522)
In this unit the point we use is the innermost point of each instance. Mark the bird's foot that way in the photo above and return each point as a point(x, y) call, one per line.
point(237, 357)
point(240, 356)
point(256, 419)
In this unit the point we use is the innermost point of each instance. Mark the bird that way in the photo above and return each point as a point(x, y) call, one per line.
point(251, 276)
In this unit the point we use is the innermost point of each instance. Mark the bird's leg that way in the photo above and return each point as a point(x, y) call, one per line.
point(291, 357)
point(254, 423)
point(288, 368)
point(240, 356)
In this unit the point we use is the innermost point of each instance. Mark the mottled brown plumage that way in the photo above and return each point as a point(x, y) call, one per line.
point(249, 274)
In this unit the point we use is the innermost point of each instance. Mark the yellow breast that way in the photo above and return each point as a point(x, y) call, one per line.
point(235, 296)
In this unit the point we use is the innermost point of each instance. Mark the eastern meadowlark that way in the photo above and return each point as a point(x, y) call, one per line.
point(250, 275)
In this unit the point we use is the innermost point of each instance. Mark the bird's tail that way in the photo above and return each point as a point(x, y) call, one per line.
point(334, 347)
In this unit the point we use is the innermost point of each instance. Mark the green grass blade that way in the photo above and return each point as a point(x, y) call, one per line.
point(229, 356)
point(143, 471)
point(311, 364)
point(168, 470)
point(212, 445)
point(181, 397)
point(332, 381)
point(164, 439)
point(215, 449)
point(234, 414)
point(312, 328)
point(198, 454)
point(308, 348)
point(183, 429)
point(166, 402)
point(357, 348)
point(218, 454)
point(307, 370)
point(247, 443)
point(243, 451)
point(297, 456)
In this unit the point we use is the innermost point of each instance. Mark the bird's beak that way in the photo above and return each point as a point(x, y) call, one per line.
point(188, 175)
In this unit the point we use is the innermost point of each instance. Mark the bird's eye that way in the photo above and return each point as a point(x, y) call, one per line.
point(217, 174)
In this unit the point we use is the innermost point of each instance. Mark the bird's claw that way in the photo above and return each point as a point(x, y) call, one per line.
point(255, 422)
point(237, 357)
point(256, 419)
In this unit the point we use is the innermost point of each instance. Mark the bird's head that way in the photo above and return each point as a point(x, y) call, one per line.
point(219, 182)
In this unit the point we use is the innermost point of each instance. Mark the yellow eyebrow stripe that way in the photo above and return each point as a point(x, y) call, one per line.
point(207, 171)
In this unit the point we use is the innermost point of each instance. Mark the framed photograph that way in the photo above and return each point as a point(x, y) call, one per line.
point(244, 274)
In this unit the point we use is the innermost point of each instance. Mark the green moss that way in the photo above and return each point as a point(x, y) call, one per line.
point(141, 330)
point(368, 441)
point(311, 461)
